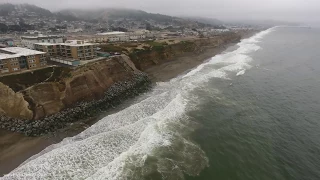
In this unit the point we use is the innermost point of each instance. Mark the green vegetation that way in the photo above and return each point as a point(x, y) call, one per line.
point(112, 48)
point(154, 43)
point(158, 46)
point(130, 45)
point(26, 79)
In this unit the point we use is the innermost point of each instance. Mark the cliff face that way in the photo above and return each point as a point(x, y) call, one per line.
point(13, 104)
point(144, 59)
point(85, 83)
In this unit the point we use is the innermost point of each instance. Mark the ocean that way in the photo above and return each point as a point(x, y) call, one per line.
point(251, 112)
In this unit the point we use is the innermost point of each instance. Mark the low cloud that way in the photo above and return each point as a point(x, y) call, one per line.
point(288, 10)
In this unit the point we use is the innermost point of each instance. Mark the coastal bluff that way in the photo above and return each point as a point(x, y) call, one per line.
point(162, 53)
point(37, 106)
point(13, 104)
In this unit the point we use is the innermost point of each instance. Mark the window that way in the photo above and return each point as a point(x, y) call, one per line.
point(31, 61)
point(15, 69)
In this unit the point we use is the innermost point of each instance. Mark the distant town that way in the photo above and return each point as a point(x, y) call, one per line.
point(34, 38)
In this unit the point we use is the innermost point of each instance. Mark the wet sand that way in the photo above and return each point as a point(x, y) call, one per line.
point(16, 148)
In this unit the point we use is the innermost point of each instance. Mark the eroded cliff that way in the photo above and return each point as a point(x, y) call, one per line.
point(85, 83)
point(13, 104)
point(144, 59)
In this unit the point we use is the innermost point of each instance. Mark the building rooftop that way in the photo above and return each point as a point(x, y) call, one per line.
point(41, 37)
point(46, 44)
point(76, 43)
point(13, 52)
point(111, 33)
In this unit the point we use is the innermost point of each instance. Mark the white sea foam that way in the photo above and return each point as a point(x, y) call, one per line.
point(144, 138)
point(241, 72)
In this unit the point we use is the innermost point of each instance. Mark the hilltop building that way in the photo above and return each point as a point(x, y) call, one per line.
point(76, 49)
point(71, 52)
point(29, 41)
point(71, 49)
point(15, 59)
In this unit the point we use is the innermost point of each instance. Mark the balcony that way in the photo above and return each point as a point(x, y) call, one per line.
point(5, 70)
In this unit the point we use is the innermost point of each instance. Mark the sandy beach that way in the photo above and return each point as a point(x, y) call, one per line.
point(16, 148)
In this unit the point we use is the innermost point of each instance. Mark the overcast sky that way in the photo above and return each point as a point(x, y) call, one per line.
point(291, 10)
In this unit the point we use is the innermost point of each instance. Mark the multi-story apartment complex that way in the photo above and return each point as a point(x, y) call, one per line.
point(71, 49)
point(15, 59)
point(29, 41)
point(118, 36)
point(75, 49)
point(50, 48)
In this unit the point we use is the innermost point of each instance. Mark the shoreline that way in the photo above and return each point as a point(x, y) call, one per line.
point(16, 148)
point(171, 69)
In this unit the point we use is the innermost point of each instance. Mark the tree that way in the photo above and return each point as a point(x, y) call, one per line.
point(148, 27)
point(119, 29)
point(14, 28)
point(3, 27)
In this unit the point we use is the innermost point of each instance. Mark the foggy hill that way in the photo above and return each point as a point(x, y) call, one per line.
point(211, 21)
point(112, 13)
point(7, 9)
point(106, 14)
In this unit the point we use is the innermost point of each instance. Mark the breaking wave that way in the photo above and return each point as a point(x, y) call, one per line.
point(149, 138)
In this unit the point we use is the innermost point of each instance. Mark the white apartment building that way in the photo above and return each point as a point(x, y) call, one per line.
point(119, 36)
point(134, 37)
point(124, 38)
point(29, 41)
point(114, 39)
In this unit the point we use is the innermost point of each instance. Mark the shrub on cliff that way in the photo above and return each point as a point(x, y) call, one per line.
point(112, 48)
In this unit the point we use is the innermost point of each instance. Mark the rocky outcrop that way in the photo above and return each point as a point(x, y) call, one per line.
point(45, 106)
point(13, 104)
